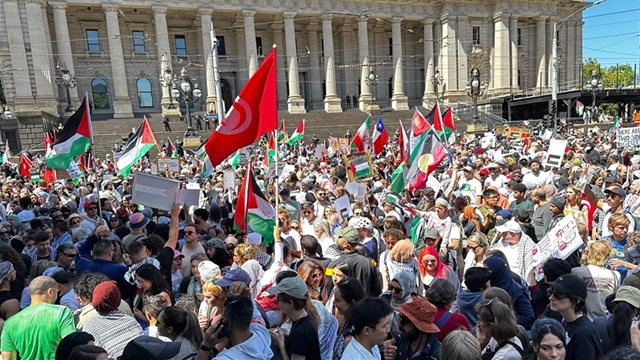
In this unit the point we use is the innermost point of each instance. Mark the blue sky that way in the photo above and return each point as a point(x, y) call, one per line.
point(611, 32)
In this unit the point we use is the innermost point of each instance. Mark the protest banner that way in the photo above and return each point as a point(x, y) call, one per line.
point(271, 171)
point(626, 137)
point(343, 145)
point(333, 143)
point(74, 171)
point(172, 163)
point(560, 242)
point(555, 153)
point(154, 191)
point(229, 181)
point(358, 165)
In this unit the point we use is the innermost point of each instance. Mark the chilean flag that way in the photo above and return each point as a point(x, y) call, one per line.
point(380, 137)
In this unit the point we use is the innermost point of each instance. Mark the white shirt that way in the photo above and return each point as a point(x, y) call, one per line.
point(499, 181)
point(471, 188)
point(355, 350)
point(536, 180)
point(511, 253)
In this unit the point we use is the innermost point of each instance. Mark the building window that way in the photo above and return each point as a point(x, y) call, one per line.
point(138, 41)
point(259, 46)
point(181, 45)
point(93, 40)
point(476, 35)
point(145, 97)
point(390, 46)
point(519, 36)
point(100, 94)
point(222, 49)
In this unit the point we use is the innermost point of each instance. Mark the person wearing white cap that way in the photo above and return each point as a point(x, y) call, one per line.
point(365, 231)
point(495, 178)
point(263, 258)
point(515, 245)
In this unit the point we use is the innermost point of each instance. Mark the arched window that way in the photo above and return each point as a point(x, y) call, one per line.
point(100, 94)
point(145, 97)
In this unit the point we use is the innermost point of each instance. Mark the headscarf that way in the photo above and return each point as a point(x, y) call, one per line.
point(503, 201)
point(440, 267)
point(254, 269)
point(469, 213)
point(69, 342)
point(408, 283)
point(502, 277)
point(106, 297)
point(402, 251)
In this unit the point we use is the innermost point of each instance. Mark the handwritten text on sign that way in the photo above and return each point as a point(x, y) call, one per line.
point(627, 136)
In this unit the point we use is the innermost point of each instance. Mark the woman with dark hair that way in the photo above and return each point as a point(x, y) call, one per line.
point(88, 352)
point(313, 276)
point(340, 272)
point(501, 277)
point(70, 342)
point(218, 254)
point(179, 325)
point(347, 292)
point(626, 306)
point(497, 330)
point(150, 281)
point(548, 340)
point(7, 253)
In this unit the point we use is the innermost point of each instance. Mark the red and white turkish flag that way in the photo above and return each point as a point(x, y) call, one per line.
point(253, 113)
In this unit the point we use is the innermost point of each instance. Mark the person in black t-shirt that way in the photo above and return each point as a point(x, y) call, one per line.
point(567, 296)
point(294, 301)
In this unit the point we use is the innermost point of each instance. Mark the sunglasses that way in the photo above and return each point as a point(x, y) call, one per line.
point(316, 275)
point(3, 233)
point(92, 208)
point(76, 222)
point(403, 319)
point(613, 196)
point(559, 296)
point(395, 290)
point(487, 304)
point(189, 232)
point(69, 255)
point(359, 213)
point(307, 212)
point(322, 194)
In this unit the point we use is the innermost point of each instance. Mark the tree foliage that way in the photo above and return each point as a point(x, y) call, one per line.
point(612, 76)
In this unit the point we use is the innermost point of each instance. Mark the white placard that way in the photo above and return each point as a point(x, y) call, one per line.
point(343, 207)
point(107, 177)
point(74, 171)
point(172, 164)
point(351, 187)
point(433, 183)
point(154, 191)
point(189, 197)
point(193, 186)
point(556, 153)
point(547, 134)
point(272, 169)
point(319, 151)
point(229, 180)
point(626, 137)
point(560, 242)
point(154, 169)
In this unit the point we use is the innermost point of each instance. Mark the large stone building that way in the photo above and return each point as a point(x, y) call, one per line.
point(117, 50)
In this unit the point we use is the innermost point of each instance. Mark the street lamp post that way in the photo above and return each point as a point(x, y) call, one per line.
point(372, 81)
point(475, 89)
point(167, 80)
point(186, 91)
point(594, 85)
point(554, 63)
point(6, 115)
point(436, 80)
point(67, 81)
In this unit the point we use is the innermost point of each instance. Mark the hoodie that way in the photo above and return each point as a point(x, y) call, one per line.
point(258, 346)
point(466, 302)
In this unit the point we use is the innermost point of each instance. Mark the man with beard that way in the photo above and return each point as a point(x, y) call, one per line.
point(535, 178)
point(417, 339)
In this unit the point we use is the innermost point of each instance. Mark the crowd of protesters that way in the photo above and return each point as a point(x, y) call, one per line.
point(433, 273)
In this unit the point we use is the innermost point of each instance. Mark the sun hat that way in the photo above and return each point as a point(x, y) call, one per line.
point(137, 220)
point(421, 313)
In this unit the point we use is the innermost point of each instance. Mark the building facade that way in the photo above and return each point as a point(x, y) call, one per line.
point(118, 50)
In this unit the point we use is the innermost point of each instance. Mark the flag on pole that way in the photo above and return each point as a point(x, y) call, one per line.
point(449, 126)
point(397, 178)
point(616, 123)
point(235, 160)
point(419, 126)
point(403, 145)
point(207, 167)
point(200, 153)
point(7, 154)
point(49, 174)
point(579, 108)
point(380, 137)
point(269, 152)
point(74, 139)
point(252, 114)
point(25, 166)
point(138, 145)
point(253, 212)
point(282, 134)
point(298, 134)
point(424, 160)
point(362, 139)
point(173, 151)
point(434, 118)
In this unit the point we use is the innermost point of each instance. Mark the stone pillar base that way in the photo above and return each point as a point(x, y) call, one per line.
point(295, 105)
point(475, 128)
point(122, 109)
point(400, 102)
point(428, 101)
point(364, 101)
point(211, 105)
point(332, 104)
point(373, 109)
point(172, 114)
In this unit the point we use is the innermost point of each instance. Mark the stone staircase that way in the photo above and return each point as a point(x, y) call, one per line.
point(318, 122)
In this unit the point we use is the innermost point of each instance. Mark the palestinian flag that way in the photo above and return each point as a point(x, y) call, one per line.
point(579, 108)
point(200, 152)
point(360, 167)
point(138, 145)
point(74, 139)
point(419, 126)
point(253, 211)
point(207, 167)
point(434, 118)
point(235, 160)
point(397, 178)
point(424, 160)
point(282, 134)
point(449, 126)
point(270, 152)
point(362, 139)
point(297, 135)
point(7, 154)
point(173, 152)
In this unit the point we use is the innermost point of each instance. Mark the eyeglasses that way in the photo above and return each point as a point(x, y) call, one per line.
point(395, 290)
point(189, 232)
point(316, 275)
point(559, 296)
point(612, 196)
point(403, 319)
point(76, 222)
point(92, 208)
point(431, 261)
point(307, 212)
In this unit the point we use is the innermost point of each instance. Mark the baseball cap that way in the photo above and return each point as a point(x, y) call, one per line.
point(292, 286)
point(428, 190)
point(254, 238)
point(233, 276)
point(628, 294)
point(209, 270)
point(509, 226)
point(431, 233)
point(570, 284)
point(285, 192)
point(137, 220)
point(615, 190)
point(348, 233)
point(5, 269)
point(421, 313)
point(360, 223)
point(467, 168)
point(150, 348)
point(88, 204)
point(177, 253)
point(62, 277)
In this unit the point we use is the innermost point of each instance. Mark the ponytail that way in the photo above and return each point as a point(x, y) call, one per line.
point(312, 311)
point(185, 324)
point(618, 328)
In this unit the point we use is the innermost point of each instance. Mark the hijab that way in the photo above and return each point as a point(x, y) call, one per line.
point(254, 269)
point(106, 297)
point(408, 283)
point(502, 277)
point(403, 251)
point(69, 342)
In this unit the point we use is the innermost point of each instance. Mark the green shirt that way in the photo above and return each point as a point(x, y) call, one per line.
point(525, 205)
point(36, 331)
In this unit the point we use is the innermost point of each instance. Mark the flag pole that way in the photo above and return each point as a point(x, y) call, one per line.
point(164, 162)
point(275, 178)
point(93, 163)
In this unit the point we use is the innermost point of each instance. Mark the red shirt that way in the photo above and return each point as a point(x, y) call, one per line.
point(455, 322)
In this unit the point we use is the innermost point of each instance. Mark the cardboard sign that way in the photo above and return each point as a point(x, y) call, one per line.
point(358, 165)
point(172, 163)
point(555, 153)
point(343, 145)
point(229, 181)
point(319, 152)
point(74, 171)
point(343, 207)
point(154, 191)
point(626, 137)
point(271, 172)
point(333, 143)
point(560, 242)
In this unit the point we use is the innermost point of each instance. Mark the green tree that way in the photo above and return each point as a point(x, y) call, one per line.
point(611, 77)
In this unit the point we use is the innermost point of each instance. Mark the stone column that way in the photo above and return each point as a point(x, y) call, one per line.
point(207, 26)
point(513, 39)
point(549, 50)
point(364, 98)
point(295, 102)
point(163, 48)
point(578, 61)
point(121, 101)
point(314, 65)
point(250, 40)
point(281, 65)
point(500, 61)
point(571, 55)
point(44, 79)
point(448, 67)
point(242, 75)
point(429, 67)
point(21, 78)
point(63, 42)
point(399, 101)
point(541, 54)
point(347, 58)
point(464, 41)
point(331, 100)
